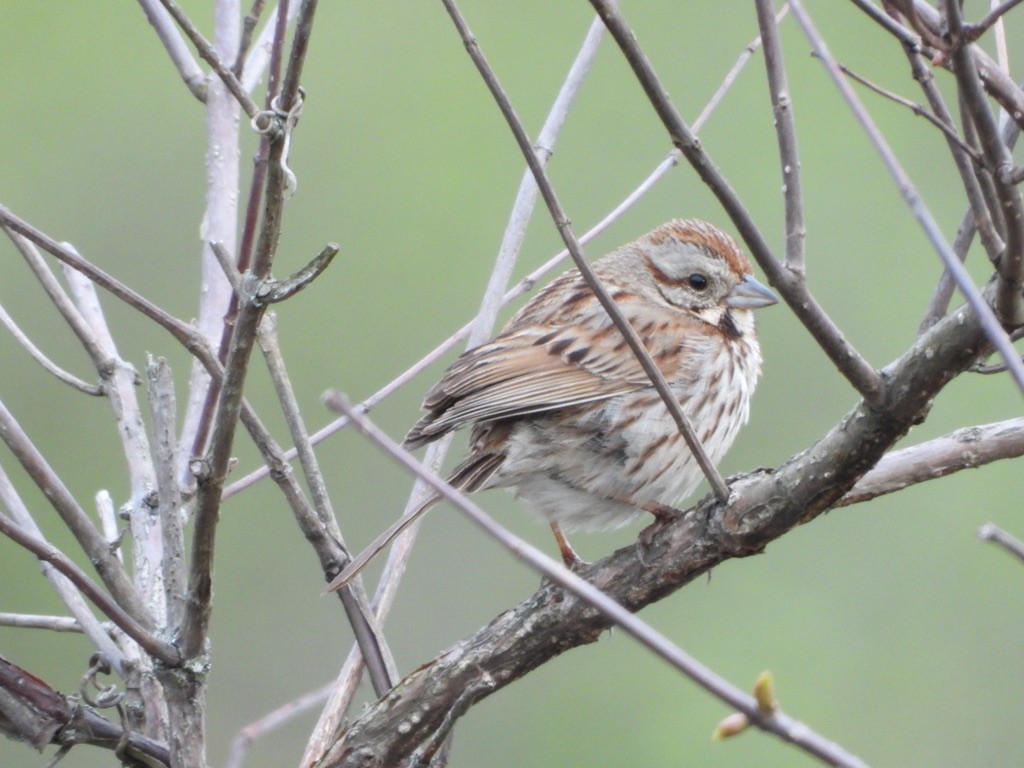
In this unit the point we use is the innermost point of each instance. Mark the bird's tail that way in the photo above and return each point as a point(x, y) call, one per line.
point(471, 475)
point(360, 561)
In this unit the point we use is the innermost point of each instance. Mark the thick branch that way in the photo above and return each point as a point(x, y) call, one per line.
point(765, 505)
point(963, 449)
point(33, 712)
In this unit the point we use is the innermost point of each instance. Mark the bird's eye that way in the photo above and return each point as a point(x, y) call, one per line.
point(697, 281)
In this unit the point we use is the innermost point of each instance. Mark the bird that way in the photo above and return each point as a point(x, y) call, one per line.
point(561, 410)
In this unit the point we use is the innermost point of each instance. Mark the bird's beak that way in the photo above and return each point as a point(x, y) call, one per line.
point(750, 294)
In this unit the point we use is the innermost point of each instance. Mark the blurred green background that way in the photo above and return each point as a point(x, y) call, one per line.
point(888, 626)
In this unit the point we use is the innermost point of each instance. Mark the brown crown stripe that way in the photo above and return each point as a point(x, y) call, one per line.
point(706, 236)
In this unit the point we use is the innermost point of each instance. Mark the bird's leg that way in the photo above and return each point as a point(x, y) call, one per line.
point(569, 557)
point(663, 515)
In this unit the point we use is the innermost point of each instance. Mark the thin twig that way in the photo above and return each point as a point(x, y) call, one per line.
point(917, 109)
point(995, 534)
point(271, 721)
point(107, 516)
point(938, 304)
point(47, 364)
point(996, 335)
point(777, 723)
point(526, 197)
point(564, 227)
point(147, 546)
point(977, 217)
point(929, 23)
point(328, 542)
point(905, 35)
point(227, 266)
point(35, 621)
point(1009, 303)
point(785, 132)
point(209, 55)
point(248, 27)
point(844, 356)
point(974, 31)
point(62, 302)
point(89, 538)
point(273, 291)
point(157, 648)
point(219, 309)
point(65, 589)
point(57, 718)
point(188, 68)
point(732, 74)
point(180, 330)
point(263, 49)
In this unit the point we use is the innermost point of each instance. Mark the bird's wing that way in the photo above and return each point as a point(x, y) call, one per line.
point(531, 369)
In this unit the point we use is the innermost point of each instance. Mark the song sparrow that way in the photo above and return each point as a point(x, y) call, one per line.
point(562, 411)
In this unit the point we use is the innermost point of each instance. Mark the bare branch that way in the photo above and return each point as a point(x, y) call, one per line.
point(847, 360)
point(31, 621)
point(764, 505)
point(191, 74)
point(1013, 545)
point(271, 721)
point(227, 266)
point(159, 649)
point(918, 109)
point(1009, 303)
point(91, 540)
point(147, 549)
point(328, 544)
point(927, 22)
point(108, 522)
point(32, 710)
point(248, 27)
point(731, 76)
point(974, 31)
point(588, 592)
point(48, 365)
point(993, 328)
point(273, 291)
point(62, 302)
point(68, 593)
point(229, 406)
point(263, 49)
point(163, 410)
point(209, 55)
point(181, 331)
point(217, 303)
point(965, 448)
point(785, 131)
